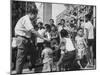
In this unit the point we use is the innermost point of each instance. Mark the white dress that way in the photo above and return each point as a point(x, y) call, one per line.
point(80, 47)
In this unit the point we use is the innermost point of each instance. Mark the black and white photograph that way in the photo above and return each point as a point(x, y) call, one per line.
point(52, 37)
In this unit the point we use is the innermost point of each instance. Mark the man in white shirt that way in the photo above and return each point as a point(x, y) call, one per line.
point(89, 30)
point(23, 31)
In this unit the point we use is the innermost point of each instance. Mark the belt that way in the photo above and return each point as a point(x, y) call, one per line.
point(23, 37)
point(70, 51)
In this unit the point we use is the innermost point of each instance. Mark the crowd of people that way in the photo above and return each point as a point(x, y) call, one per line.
point(60, 47)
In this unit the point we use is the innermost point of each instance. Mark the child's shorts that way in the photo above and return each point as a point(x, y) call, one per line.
point(81, 53)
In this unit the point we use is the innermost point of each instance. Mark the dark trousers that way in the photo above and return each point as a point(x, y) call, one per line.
point(40, 48)
point(24, 47)
point(67, 59)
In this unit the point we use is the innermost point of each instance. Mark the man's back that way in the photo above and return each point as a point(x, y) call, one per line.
point(23, 27)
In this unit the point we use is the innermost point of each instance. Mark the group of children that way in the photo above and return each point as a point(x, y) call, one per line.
point(62, 49)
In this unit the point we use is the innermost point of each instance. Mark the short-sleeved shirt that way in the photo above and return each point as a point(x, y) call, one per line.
point(24, 26)
point(41, 32)
point(69, 46)
point(90, 29)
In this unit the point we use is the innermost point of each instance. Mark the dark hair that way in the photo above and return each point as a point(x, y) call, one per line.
point(64, 33)
point(88, 17)
point(72, 25)
point(59, 23)
point(48, 27)
point(52, 20)
point(79, 29)
point(31, 8)
point(81, 20)
point(40, 23)
point(62, 20)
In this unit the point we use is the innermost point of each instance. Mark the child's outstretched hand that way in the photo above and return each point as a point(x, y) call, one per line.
point(46, 39)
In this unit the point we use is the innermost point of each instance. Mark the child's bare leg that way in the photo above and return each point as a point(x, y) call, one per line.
point(78, 61)
point(58, 67)
point(89, 56)
point(91, 51)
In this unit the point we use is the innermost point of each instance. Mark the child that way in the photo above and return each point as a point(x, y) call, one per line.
point(47, 32)
point(47, 58)
point(81, 46)
point(54, 33)
point(67, 50)
point(40, 41)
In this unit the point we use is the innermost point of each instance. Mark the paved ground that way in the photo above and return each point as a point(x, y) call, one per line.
point(26, 71)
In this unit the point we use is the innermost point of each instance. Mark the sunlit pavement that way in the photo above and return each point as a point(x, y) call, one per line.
point(26, 71)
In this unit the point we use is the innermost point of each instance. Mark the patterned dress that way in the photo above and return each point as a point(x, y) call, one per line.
point(80, 47)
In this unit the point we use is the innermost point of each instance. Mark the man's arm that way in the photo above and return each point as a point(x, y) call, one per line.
point(28, 25)
point(37, 34)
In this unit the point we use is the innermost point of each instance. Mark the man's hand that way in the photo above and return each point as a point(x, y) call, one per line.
point(46, 39)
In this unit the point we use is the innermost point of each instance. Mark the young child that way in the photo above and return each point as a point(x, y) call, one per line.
point(47, 54)
point(81, 46)
point(47, 32)
point(67, 50)
point(40, 41)
point(54, 33)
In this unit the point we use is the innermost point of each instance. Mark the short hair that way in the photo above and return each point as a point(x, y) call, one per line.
point(52, 20)
point(62, 20)
point(88, 17)
point(35, 26)
point(31, 8)
point(40, 23)
point(48, 26)
point(79, 29)
point(64, 33)
point(59, 23)
point(72, 25)
point(81, 20)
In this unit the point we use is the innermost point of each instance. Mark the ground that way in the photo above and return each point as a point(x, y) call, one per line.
point(38, 70)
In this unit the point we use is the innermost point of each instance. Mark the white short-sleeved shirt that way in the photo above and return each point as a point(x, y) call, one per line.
point(24, 26)
point(41, 32)
point(68, 45)
point(90, 29)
